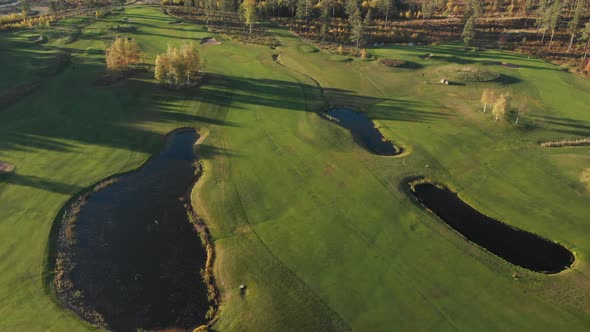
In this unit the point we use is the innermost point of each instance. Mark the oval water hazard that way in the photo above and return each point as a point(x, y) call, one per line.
point(363, 130)
point(137, 258)
point(514, 245)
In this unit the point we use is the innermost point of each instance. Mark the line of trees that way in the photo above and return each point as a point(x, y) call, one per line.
point(549, 14)
point(499, 105)
point(502, 104)
point(177, 67)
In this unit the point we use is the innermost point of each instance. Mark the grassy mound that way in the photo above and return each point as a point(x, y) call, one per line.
point(477, 75)
point(340, 58)
point(308, 48)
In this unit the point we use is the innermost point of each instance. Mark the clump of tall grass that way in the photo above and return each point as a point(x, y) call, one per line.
point(585, 177)
point(570, 142)
point(424, 180)
point(207, 272)
point(65, 262)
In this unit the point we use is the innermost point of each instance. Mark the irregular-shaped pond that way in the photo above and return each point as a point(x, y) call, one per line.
point(137, 258)
point(363, 130)
point(516, 246)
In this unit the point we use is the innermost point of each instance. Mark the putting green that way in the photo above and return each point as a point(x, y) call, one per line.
point(322, 232)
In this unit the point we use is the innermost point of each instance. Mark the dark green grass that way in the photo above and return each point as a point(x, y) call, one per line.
point(323, 233)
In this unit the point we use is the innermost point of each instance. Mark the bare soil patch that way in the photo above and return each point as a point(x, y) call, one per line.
point(6, 168)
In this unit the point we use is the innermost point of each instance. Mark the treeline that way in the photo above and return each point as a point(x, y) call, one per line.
point(389, 9)
point(549, 15)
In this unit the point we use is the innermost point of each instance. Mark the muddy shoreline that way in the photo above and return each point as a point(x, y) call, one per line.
point(66, 250)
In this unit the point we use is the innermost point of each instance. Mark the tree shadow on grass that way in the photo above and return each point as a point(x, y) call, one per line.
point(572, 127)
point(33, 181)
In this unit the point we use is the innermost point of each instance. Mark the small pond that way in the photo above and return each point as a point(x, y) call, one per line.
point(138, 258)
point(363, 130)
point(516, 246)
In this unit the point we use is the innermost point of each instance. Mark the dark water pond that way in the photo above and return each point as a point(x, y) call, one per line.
point(139, 258)
point(364, 131)
point(516, 246)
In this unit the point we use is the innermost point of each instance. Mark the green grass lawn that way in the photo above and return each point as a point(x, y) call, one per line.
point(322, 232)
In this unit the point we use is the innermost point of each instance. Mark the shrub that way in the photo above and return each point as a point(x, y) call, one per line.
point(477, 75)
point(121, 54)
point(392, 62)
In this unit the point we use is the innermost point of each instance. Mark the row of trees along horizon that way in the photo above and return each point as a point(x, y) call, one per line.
point(356, 18)
point(550, 16)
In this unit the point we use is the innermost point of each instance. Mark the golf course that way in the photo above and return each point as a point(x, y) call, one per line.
point(321, 232)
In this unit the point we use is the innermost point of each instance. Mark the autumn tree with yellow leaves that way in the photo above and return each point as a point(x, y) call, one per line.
point(178, 67)
point(122, 54)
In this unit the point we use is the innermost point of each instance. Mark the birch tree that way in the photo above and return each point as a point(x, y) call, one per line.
point(501, 106)
point(488, 98)
point(122, 54)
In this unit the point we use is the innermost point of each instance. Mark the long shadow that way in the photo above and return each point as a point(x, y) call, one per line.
point(563, 125)
point(41, 183)
point(71, 118)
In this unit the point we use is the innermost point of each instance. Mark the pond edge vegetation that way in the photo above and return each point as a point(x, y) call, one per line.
point(62, 238)
point(409, 186)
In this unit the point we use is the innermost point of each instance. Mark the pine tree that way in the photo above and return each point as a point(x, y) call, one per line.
point(586, 37)
point(469, 30)
point(303, 10)
point(553, 18)
point(387, 9)
point(368, 18)
point(52, 8)
point(25, 7)
point(574, 24)
point(428, 7)
point(325, 18)
point(357, 28)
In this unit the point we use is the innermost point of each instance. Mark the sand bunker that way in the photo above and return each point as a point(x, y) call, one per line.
point(210, 41)
point(6, 168)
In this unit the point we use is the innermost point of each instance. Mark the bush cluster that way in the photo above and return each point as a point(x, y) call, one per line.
point(392, 62)
point(477, 75)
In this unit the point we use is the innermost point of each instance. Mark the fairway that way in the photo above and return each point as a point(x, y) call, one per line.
point(324, 233)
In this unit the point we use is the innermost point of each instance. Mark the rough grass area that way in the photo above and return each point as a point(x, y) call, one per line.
point(321, 232)
point(392, 62)
point(477, 75)
point(570, 142)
